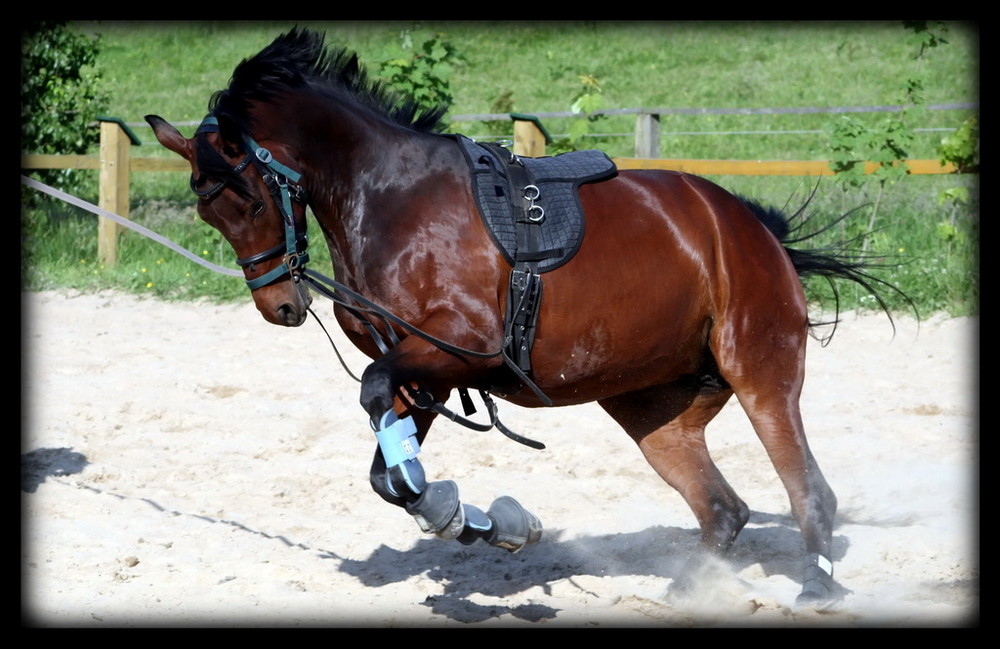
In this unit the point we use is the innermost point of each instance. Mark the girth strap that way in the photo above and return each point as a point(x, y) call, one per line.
point(525, 290)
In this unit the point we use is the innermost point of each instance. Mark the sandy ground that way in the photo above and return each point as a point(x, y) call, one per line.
point(192, 465)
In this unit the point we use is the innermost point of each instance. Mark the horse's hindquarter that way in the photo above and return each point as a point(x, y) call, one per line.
point(665, 256)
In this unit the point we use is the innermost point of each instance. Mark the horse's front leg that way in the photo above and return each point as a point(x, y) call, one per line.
point(398, 476)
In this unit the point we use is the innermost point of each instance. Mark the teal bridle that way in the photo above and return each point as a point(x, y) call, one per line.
point(282, 182)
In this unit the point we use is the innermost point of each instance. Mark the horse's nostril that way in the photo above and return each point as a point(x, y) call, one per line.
point(290, 316)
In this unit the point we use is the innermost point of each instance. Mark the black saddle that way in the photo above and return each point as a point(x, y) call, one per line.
point(539, 193)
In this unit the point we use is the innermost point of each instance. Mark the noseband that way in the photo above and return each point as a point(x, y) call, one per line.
point(282, 183)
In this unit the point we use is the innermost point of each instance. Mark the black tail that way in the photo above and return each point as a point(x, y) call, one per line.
point(846, 261)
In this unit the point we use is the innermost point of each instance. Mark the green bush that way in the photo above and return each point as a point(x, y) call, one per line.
point(61, 96)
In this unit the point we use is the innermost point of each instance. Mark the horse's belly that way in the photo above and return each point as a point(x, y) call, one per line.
point(606, 355)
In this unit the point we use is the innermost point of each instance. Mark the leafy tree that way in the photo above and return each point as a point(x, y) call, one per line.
point(853, 142)
point(962, 147)
point(60, 98)
point(424, 72)
point(587, 100)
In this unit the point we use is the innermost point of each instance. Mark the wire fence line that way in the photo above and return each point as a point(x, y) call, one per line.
point(801, 110)
point(770, 132)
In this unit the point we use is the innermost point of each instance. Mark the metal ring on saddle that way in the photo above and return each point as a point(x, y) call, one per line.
point(535, 212)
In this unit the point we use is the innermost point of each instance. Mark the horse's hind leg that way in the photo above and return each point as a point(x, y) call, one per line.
point(668, 423)
point(813, 502)
point(769, 392)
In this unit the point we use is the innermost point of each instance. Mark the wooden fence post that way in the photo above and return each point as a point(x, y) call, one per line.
point(530, 137)
point(115, 165)
point(647, 135)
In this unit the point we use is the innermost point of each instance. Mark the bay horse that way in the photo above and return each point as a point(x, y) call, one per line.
point(677, 296)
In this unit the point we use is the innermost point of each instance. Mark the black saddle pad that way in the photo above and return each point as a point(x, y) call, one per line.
point(558, 179)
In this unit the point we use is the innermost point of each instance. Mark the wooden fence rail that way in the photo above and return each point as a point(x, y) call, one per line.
point(115, 165)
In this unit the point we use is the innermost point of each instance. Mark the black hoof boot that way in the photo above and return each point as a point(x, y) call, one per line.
point(818, 585)
point(513, 525)
point(438, 509)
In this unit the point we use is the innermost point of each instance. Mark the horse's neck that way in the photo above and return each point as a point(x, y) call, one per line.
point(363, 193)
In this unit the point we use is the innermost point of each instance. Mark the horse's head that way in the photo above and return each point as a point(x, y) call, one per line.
point(250, 194)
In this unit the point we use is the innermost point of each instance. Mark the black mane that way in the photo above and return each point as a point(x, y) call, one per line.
point(294, 61)
point(300, 59)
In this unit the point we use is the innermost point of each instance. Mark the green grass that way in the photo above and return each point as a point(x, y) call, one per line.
point(172, 69)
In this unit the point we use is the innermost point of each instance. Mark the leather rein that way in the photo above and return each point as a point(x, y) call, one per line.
point(282, 182)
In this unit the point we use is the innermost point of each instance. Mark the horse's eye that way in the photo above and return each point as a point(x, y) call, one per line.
point(256, 208)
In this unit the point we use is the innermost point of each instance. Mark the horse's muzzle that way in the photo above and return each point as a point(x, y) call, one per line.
point(285, 303)
point(290, 316)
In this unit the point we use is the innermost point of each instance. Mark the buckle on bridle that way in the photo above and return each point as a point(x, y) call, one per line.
point(293, 261)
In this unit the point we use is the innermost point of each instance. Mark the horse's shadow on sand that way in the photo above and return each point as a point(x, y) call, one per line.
point(463, 572)
point(656, 551)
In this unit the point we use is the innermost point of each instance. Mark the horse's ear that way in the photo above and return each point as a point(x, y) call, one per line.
point(170, 137)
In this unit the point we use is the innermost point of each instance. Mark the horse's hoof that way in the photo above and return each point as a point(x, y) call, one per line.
point(821, 592)
point(513, 525)
point(815, 591)
point(818, 586)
